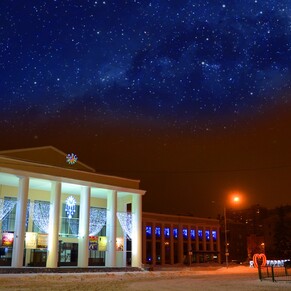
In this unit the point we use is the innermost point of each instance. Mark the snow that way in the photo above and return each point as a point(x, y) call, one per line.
point(237, 278)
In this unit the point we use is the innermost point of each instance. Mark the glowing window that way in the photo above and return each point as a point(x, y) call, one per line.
point(200, 234)
point(214, 235)
point(207, 235)
point(8, 222)
point(167, 232)
point(70, 226)
point(185, 233)
point(158, 232)
point(148, 231)
point(192, 234)
point(175, 232)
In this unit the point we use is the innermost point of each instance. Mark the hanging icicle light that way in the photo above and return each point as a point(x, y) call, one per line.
point(41, 213)
point(70, 206)
point(97, 220)
point(125, 220)
point(74, 226)
point(6, 205)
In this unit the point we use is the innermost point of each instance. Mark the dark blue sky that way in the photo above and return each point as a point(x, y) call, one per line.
point(157, 90)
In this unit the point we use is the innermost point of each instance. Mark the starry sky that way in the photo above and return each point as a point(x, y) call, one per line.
point(190, 97)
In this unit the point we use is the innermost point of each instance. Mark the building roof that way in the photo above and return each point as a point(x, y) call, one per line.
point(50, 163)
point(47, 155)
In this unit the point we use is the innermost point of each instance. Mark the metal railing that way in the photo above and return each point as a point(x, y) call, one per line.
point(275, 273)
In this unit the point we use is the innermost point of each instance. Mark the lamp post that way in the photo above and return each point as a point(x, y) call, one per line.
point(225, 238)
point(235, 199)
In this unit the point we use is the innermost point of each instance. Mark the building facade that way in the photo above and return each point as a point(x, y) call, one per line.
point(56, 211)
point(175, 239)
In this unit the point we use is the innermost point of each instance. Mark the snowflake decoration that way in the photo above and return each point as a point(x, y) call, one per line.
point(71, 159)
point(70, 206)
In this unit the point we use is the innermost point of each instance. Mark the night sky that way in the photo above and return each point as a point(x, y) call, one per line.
point(191, 97)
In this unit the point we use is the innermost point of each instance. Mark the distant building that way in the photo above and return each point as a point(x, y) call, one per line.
point(56, 211)
point(277, 233)
point(175, 239)
point(244, 229)
point(259, 230)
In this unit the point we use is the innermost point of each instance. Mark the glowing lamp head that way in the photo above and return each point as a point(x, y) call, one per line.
point(236, 199)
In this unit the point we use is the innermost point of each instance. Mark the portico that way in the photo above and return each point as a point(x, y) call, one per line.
point(55, 214)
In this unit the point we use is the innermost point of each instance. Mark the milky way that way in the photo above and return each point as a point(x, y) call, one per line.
point(177, 63)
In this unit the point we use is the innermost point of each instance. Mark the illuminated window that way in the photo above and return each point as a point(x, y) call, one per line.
point(214, 235)
point(8, 222)
point(175, 232)
point(148, 231)
point(41, 212)
point(200, 234)
point(167, 232)
point(185, 233)
point(207, 235)
point(192, 234)
point(70, 226)
point(158, 232)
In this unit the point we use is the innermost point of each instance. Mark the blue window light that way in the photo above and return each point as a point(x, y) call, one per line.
point(167, 232)
point(158, 232)
point(214, 235)
point(175, 232)
point(192, 234)
point(148, 231)
point(200, 234)
point(207, 235)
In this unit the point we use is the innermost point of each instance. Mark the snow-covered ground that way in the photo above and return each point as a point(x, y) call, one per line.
point(236, 278)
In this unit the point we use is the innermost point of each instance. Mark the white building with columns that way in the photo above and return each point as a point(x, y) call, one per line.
point(56, 211)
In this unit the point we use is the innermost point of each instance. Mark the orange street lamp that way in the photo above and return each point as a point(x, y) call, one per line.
point(225, 238)
point(235, 199)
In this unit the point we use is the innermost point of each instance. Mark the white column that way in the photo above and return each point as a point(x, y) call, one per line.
point(120, 233)
point(83, 247)
point(136, 231)
point(53, 235)
point(20, 219)
point(111, 229)
point(29, 228)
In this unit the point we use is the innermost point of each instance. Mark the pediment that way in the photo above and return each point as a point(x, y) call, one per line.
point(47, 155)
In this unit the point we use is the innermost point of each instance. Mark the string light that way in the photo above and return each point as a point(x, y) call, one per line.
point(41, 210)
point(125, 220)
point(41, 213)
point(74, 226)
point(6, 205)
point(97, 220)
